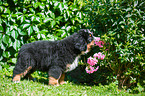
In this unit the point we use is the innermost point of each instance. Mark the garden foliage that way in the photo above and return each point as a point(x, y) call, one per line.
point(123, 25)
point(119, 23)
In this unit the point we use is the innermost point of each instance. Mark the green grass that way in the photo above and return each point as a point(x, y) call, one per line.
point(39, 88)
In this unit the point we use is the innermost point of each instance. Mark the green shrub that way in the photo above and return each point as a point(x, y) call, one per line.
point(121, 25)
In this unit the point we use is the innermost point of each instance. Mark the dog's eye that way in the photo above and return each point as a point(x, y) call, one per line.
point(90, 35)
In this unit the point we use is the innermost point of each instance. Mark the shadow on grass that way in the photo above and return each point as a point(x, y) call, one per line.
point(77, 76)
point(41, 80)
point(80, 77)
point(9, 77)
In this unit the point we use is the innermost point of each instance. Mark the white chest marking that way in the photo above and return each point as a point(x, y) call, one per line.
point(72, 66)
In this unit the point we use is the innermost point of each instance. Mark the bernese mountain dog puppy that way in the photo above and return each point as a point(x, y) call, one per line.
point(54, 57)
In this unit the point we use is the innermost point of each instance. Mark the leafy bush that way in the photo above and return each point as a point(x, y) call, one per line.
point(121, 25)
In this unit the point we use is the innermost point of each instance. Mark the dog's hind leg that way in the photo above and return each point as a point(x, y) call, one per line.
point(17, 77)
point(23, 66)
point(54, 75)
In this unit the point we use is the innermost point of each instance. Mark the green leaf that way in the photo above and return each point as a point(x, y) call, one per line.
point(13, 27)
point(14, 34)
point(13, 60)
point(16, 45)
point(122, 22)
point(68, 28)
point(21, 32)
point(33, 18)
point(79, 14)
point(73, 21)
point(3, 47)
point(22, 18)
point(35, 28)
point(35, 4)
point(8, 32)
point(11, 68)
point(0, 21)
point(26, 25)
point(135, 3)
point(61, 6)
point(128, 15)
point(13, 20)
point(47, 19)
point(38, 19)
point(39, 36)
point(32, 10)
point(6, 54)
point(53, 23)
point(1, 36)
point(7, 10)
point(128, 9)
point(28, 21)
point(1, 28)
point(66, 17)
point(24, 10)
point(6, 39)
point(10, 44)
point(56, 3)
point(42, 6)
point(1, 8)
point(59, 18)
point(52, 15)
point(0, 67)
point(43, 36)
point(30, 30)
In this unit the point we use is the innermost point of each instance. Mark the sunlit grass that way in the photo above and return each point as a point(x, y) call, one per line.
point(40, 88)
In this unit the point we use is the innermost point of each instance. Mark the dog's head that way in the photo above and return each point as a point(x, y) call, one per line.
point(84, 41)
point(87, 35)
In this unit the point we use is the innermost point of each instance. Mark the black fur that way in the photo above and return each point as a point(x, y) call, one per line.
point(52, 56)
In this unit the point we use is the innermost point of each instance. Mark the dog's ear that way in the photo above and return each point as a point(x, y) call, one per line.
point(84, 32)
point(80, 43)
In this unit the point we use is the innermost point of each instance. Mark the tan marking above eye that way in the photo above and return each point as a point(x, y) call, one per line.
point(90, 35)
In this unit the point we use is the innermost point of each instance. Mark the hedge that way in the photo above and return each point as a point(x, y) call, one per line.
point(119, 23)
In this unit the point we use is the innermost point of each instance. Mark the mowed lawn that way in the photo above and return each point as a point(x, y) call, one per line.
point(40, 88)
